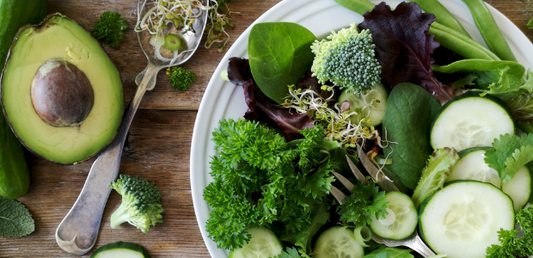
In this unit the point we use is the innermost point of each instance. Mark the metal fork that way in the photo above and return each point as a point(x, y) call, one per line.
point(414, 242)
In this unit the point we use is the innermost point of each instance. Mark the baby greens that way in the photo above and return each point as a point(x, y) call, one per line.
point(410, 110)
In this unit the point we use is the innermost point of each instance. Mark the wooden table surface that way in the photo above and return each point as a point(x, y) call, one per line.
point(158, 145)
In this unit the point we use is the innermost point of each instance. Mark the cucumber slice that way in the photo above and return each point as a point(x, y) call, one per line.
point(370, 106)
point(264, 243)
point(401, 221)
point(463, 218)
point(472, 166)
point(470, 121)
point(338, 242)
point(121, 250)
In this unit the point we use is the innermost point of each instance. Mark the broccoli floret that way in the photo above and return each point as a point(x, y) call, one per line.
point(109, 28)
point(141, 205)
point(180, 79)
point(346, 58)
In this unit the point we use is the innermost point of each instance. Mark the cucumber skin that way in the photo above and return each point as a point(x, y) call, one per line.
point(14, 173)
point(121, 245)
point(13, 15)
point(466, 151)
point(471, 94)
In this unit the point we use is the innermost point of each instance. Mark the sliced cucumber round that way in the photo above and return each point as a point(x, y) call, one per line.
point(173, 42)
point(401, 221)
point(463, 219)
point(263, 243)
point(121, 250)
point(338, 242)
point(470, 121)
point(370, 107)
point(472, 166)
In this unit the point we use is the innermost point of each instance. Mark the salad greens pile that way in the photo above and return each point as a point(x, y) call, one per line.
point(274, 167)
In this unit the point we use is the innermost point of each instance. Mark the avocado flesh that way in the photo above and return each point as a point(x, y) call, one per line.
point(61, 38)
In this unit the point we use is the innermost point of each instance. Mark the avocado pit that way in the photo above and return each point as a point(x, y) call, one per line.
point(61, 94)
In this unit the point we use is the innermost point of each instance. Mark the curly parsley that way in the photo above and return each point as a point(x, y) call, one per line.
point(259, 179)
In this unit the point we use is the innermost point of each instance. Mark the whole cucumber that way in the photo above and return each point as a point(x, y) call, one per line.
point(14, 173)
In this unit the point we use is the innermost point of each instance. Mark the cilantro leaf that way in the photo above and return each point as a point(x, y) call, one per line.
point(364, 204)
point(15, 219)
point(509, 154)
point(289, 253)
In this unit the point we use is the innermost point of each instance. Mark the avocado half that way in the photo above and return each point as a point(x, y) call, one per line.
point(56, 47)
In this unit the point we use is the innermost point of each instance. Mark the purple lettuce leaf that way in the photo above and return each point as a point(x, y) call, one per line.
point(263, 109)
point(404, 46)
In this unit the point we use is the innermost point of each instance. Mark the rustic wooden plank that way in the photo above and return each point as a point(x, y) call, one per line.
point(159, 145)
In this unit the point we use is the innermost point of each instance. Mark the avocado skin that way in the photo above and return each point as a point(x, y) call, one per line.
point(14, 172)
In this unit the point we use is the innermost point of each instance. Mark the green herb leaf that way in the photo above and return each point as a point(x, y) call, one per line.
point(279, 54)
point(512, 246)
point(365, 203)
point(289, 253)
point(509, 154)
point(15, 219)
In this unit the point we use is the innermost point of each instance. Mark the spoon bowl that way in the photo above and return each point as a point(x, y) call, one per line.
point(78, 231)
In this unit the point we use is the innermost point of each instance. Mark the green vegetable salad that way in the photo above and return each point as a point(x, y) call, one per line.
point(396, 127)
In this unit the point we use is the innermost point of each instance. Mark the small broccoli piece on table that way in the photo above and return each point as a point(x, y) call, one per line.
point(346, 58)
point(141, 204)
point(180, 79)
point(109, 28)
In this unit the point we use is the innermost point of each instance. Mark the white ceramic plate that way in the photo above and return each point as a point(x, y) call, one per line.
point(223, 100)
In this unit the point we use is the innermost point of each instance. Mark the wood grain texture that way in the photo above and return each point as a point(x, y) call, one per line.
point(158, 145)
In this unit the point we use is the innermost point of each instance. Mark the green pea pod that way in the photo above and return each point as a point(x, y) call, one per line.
point(442, 14)
point(489, 30)
point(358, 6)
point(460, 44)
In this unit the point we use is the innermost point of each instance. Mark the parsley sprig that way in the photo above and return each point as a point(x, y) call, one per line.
point(365, 203)
point(260, 179)
point(512, 242)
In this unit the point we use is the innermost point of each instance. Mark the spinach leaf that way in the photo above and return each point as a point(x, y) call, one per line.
point(280, 54)
point(408, 117)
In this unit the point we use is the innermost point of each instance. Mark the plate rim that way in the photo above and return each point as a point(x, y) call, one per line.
point(516, 38)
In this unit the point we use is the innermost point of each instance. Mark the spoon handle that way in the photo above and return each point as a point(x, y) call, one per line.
point(78, 231)
point(418, 245)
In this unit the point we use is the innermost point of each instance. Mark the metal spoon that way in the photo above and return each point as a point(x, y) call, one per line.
point(78, 231)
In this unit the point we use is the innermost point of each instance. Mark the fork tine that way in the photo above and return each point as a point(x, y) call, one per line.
point(377, 174)
point(338, 195)
point(344, 181)
point(357, 173)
